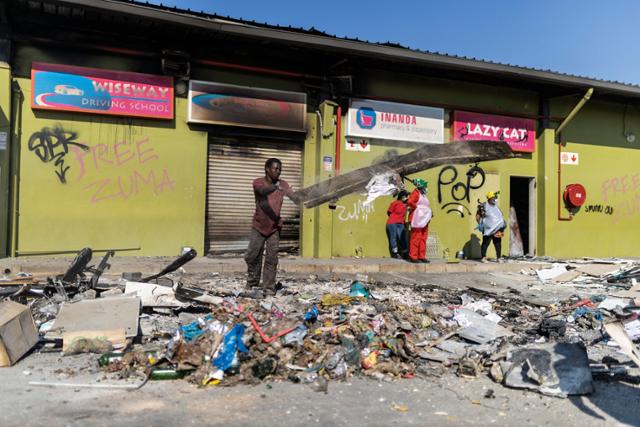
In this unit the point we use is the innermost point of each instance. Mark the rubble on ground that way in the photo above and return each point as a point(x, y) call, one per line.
point(209, 330)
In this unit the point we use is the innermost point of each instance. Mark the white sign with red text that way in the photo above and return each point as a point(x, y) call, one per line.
point(358, 144)
point(567, 158)
point(393, 121)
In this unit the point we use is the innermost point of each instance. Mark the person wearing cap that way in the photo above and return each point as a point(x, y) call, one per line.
point(492, 224)
point(395, 225)
point(419, 218)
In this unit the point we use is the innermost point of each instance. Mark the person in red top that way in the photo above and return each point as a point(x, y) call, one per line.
point(395, 225)
point(269, 194)
point(420, 217)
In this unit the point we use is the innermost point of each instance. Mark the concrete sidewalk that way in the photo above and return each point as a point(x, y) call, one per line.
point(44, 265)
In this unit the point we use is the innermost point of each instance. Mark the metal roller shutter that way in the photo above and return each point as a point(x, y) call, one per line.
point(233, 165)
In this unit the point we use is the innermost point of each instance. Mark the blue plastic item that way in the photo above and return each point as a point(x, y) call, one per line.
point(582, 311)
point(196, 328)
point(232, 343)
point(311, 315)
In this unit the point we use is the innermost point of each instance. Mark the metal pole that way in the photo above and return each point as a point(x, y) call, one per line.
point(31, 253)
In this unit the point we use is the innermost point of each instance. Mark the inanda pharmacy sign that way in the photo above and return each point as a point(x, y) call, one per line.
point(390, 120)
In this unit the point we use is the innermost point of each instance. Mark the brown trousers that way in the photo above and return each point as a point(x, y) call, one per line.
point(253, 258)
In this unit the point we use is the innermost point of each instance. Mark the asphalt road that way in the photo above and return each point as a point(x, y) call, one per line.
point(445, 400)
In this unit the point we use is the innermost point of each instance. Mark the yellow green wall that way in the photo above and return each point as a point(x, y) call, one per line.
point(606, 226)
point(353, 229)
point(143, 182)
point(138, 183)
point(5, 154)
point(610, 172)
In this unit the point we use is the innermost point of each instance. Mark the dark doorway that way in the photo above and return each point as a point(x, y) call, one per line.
point(522, 200)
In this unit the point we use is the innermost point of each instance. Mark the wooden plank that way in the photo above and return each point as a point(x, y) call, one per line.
point(427, 157)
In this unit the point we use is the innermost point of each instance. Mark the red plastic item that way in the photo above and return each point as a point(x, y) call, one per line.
point(262, 334)
point(575, 195)
point(585, 302)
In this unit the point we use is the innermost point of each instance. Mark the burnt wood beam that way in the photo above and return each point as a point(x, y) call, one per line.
point(427, 157)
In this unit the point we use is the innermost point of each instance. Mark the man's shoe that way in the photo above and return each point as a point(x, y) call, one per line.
point(269, 292)
point(254, 293)
point(415, 261)
point(395, 255)
point(425, 261)
point(483, 259)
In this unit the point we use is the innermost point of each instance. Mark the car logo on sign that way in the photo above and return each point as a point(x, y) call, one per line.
point(68, 90)
point(366, 118)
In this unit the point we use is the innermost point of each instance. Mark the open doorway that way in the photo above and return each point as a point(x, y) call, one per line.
point(522, 202)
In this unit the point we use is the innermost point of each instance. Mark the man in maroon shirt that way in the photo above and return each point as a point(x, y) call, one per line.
point(269, 194)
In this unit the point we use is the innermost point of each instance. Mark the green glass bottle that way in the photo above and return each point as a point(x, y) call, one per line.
point(108, 358)
point(167, 374)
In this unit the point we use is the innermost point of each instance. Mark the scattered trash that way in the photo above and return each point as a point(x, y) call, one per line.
point(555, 369)
point(551, 273)
point(153, 295)
point(358, 290)
point(97, 315)
point(206, 328)
point(400, 408)
point(554, 328)
point(93, 341)
point(18, 333)
point(476, 328)
point(617, 333)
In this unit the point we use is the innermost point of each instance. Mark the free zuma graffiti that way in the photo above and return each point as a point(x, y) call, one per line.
point(122, 170)
point(53, 145)
point(458, 190)
point(623, 191)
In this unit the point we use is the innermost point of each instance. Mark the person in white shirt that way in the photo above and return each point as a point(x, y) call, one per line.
point(492, 224)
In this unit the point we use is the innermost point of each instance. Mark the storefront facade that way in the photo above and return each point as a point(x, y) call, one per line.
point(156, 177)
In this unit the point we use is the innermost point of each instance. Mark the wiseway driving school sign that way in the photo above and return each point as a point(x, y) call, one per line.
point(90, 90)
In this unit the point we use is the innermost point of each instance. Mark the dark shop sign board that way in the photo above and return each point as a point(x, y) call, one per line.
point(231, 105)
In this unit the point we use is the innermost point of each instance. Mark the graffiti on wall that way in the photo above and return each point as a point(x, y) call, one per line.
point(51, 145)
point(599, 209)
point(454, 188)
point(122, 170)
point(625, 190)
point(359, 211)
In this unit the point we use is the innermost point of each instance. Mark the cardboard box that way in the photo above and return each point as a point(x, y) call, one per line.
point(18, 333)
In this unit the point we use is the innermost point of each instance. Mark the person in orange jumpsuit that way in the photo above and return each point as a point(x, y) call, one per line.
point(419, 218)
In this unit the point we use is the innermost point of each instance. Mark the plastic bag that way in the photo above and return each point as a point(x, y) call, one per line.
point(358, 290)
point(232, 343)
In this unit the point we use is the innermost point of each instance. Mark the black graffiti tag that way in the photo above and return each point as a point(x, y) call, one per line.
point(459, 190)
point(52, 145)
point(606, 209)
